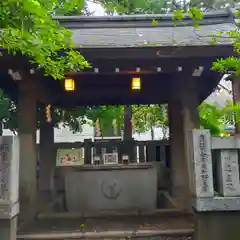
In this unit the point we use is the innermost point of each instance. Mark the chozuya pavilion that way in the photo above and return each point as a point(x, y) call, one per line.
point(173, 65)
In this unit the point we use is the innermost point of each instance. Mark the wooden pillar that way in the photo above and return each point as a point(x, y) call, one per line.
point(151, 151)
point(163, 154)
point(87, 151)
point(129, 147)
point(28, 151)
point(183, 117)
point(141, 152)
point(47, 154)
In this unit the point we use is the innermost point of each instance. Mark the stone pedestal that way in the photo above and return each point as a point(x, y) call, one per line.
point(217, 226)
point(218, 217)
point(8, 229)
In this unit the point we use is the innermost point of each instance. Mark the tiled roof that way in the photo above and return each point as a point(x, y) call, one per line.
point(138, 31)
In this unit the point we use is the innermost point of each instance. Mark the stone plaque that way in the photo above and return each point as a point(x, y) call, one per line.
point(201, 166)
point(9, 173)
point(70, 157)
point(110, 158)
point(228, 173)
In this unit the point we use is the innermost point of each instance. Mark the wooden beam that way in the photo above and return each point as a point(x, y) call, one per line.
point(159, 52)
point(146, 66)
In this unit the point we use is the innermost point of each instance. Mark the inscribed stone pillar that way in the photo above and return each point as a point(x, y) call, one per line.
point(228, 172)
point(47, 154)
point(183, 117)
point(9, 182)
point(201, 178)
point(28, 152)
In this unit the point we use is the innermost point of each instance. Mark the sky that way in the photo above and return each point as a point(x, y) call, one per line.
point(96, 8)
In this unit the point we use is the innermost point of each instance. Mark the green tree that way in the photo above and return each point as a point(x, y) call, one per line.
point(212, 118)
point(27, 27)
point(146, 117)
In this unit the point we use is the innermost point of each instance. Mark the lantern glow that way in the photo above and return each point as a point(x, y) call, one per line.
point(136, 83)
point(69, 84)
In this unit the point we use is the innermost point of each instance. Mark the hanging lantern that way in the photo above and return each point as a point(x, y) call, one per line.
point(136, 83)
point(69, 84)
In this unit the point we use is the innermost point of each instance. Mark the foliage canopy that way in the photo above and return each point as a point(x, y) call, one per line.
point(27, 27)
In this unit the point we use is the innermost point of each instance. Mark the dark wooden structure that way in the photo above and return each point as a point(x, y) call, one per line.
point(121, 47)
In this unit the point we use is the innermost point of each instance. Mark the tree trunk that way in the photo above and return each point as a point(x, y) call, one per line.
point(127, 123)
point(152, 133)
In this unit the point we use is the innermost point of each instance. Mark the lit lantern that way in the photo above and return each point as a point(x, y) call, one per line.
point(136, 83)
point(69, 84)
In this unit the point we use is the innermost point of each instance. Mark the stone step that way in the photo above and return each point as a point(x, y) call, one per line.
point(164, 227)
point(111, 213)
point(179, 234)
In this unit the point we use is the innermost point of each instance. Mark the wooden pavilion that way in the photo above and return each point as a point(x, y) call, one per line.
point(174, 64)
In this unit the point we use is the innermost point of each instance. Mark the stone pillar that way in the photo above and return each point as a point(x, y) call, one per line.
point(183, 117)
point(9, 181)
point(47, 154)
point(28, 152)
point(228, 172)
